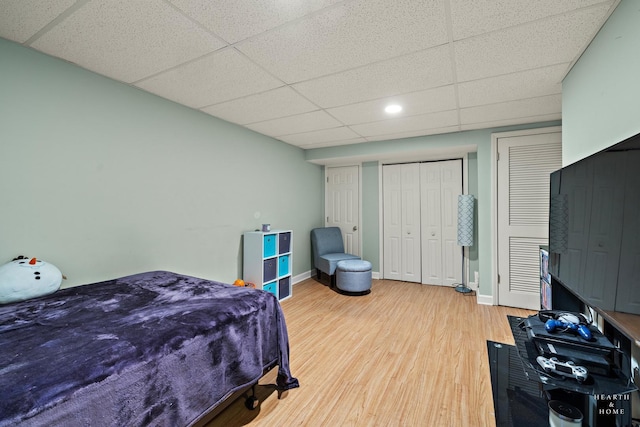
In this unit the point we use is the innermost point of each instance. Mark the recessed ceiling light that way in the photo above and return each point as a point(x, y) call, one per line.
point(392, 109)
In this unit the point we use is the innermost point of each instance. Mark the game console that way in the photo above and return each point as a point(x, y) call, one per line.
point(566, 369)
point(536, 329)
point(596, 363)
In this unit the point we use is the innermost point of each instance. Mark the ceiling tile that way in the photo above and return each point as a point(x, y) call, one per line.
point(546, 42)
point(470, 18)
point(543, 105)
point(337, 143)
point(509, 87)
point(314, 138)
point(349, 35)
point(511, 122)
point(426, 101)
point(411, 134)
point(218, 77)
point(317, 73)
point(422, 70)
point(127, 39)
point(280, 102)
point(306, 122)
point(235, 20)
point(407, 124)
point(21, 19)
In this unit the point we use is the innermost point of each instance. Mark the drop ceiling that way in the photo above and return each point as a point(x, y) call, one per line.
point(318, 73)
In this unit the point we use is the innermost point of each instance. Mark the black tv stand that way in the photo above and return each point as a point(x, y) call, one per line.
point(604, 399)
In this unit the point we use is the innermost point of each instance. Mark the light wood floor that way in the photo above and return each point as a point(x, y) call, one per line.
point(404, 355)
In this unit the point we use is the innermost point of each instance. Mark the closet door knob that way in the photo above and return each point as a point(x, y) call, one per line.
point(355, 228)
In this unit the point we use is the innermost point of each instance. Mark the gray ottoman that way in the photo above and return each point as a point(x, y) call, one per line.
point(353, 276)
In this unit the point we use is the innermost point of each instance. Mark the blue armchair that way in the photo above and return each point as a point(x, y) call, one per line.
point(328, 249)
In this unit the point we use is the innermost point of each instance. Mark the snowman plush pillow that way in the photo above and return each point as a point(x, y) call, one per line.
point(25, 278)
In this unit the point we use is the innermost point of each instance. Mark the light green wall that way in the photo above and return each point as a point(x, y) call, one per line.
point(428, 148)
point(601, 93)
point(370, 214)
point(103, 180)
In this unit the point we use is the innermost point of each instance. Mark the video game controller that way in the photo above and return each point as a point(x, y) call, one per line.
point(553, 325)
point(566, 369)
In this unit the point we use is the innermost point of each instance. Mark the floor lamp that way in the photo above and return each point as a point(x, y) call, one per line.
point(466, 204)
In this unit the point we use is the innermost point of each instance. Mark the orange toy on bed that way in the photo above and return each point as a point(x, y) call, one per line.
point(241, 283)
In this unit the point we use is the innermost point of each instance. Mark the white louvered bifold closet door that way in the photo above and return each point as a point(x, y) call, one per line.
point(524, 166)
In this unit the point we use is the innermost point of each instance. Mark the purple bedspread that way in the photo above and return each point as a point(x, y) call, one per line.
point(155, 348)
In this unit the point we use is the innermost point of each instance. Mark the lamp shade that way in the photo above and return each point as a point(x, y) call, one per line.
point(466, 204)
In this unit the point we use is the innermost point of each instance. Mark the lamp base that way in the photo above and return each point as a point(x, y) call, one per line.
point(463, 289)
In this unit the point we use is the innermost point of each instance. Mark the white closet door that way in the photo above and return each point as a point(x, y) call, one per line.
point(451, 178)
point(392, 212)
point(343, 204)
point(441, 183)
point(431, 218)
point(411, 248)
point(401, 193)
point(524, 166)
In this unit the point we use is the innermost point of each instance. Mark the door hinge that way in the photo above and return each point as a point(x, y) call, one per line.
point(498, 156)
point(327, 220)
point(498, 279)
point(327, 180)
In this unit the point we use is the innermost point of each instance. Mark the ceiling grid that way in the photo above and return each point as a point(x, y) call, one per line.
point(319, 73)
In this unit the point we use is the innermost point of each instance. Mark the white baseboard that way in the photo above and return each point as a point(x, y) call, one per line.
point(481, 299)
point(485, 299)
point(301, 277)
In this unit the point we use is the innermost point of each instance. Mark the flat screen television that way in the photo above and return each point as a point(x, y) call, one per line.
point(594, 227)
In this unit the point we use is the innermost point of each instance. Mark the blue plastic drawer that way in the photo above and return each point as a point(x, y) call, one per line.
point(284, 243)
point(283, 265)
point(284, 287)
point(270, 269)
point(270, 287)
point(269, 245)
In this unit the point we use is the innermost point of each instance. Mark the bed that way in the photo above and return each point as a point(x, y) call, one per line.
point(155, 348)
